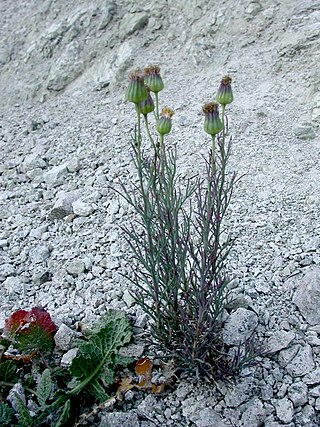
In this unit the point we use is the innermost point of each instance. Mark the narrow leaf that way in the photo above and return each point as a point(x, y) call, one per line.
point(8, 370)
point(23, 414)
point(64, 415)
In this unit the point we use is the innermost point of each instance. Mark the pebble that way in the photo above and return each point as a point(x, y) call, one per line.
point(81, 208)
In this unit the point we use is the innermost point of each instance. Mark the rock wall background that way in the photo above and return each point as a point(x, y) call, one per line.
point(64, 135)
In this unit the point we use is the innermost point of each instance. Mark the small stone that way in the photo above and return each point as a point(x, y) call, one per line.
point(240, 392)
point(74, 165)
point(81, 208)
point(302, 363)
point(312, 378)
point(239, 326)
point(120, 419)
point(12, 284)
point(6, 270)
point(279, 340)
point(128, 298)
point(33, 161)
point(63, 204)
point(307, 296)
point(76, 267)
point(284, 410)
point(132, 22)
point(254, 415)
point(305, 131)
point(56, 175)
point(298, 393)
point(315, 391)
point(39, 254)
point(208, 417)
point(68, 357)
point(64, 337)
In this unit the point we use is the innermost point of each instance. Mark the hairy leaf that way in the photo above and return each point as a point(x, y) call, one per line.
point(44, 387)
point(96, 360)
point(6, 414)
point(25, 418)
point(8, 370)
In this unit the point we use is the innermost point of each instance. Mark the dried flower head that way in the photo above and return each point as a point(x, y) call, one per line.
point(212, 121)
point(136, 91)
point(153, 78)
point(164, 123)
point(224, 95)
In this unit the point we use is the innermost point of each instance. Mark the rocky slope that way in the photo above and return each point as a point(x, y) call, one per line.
point(65, 130)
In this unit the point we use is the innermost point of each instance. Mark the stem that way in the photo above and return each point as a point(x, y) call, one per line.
point(148, 131)
point(8, 384)
point(157, 105)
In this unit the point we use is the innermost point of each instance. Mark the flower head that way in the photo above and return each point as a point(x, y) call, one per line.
point(164, 122)
point(224, 95)
point(136, 91)
point(212, 121)
point(146, 106)
point(153, 79)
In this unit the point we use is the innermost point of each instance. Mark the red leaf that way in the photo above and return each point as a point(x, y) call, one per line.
point(14, 323)
point(31, 331)
point(143, 369)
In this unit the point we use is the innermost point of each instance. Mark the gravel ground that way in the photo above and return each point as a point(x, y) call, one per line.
point(65, 132)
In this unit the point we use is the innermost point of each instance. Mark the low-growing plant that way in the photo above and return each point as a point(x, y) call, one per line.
point(178, 236)
point(48, 390)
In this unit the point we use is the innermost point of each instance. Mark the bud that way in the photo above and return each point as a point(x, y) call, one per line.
point(147, 106)
point(136, 91)
point(164, 123)
point(153, 79)
point(212, 121)
point(224, 95)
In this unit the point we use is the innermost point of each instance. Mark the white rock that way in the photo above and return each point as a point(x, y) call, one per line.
point(68, 357)
point(284, 410)
point(76, 267)
point(81, 208)
point(239, 326)
point(307, 296)
point(56, 175)
point(279, 340)
point(64, 336)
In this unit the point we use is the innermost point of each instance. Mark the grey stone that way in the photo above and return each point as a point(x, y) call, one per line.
point(241, 392)
point(16, 390)
point(254, 415)
point(298, 361)
point(12, 284)
point(64, 337)
point(33, 161)
point(74, 165)
point(6, 270)
point(132, 350)
point(81, 208)
point(63, 204)
point(284, 410)
point(56, 175)
point(305, 131)
point(315, 391)
point(68, 357)
point(132, 22)
point(313, 377)
point(208, 417)
point(39, 253)
point(279, 340)
point(298, 393)
point(76, 267)
point(239, 326)
point(120, 419)
point(128, 298)
point(316, 108)
point(307, 296)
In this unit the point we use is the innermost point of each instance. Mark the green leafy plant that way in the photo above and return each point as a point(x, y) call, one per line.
point(27, 337)
point(176, 239)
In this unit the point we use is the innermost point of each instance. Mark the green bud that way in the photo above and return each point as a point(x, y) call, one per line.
point(212, 121)
point(136, 91)
point(146, 106)
point(224, 95)
point(153, 79)
point(164, 122)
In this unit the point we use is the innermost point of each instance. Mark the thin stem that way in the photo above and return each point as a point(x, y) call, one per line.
point(145, 116)
point(157, 105)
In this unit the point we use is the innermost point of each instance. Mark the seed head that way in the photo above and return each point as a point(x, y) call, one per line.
point(146, 106)
point(224, 95)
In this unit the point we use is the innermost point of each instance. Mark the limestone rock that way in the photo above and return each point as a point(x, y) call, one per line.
point(63, 204)
point(33, 161)
point(120, 419)
point(56, 175)
point(76, 267)
point(64, 336)
point(305, 131)
point(39, 253)
point(239, 326)
point(208, 417)
point(298, 360)
point(132, 22)
point(279, 340)
point(284, 410)
point(298, 393)
point(254, 415)
point(81, 208)
point(307, 296)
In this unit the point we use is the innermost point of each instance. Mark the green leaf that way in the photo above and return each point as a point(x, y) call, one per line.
point(8, 370)
point(95, 363)
point(64, 415)
point(6, 414)
point(97, 390)
point(23, 414)
point(44, 387)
